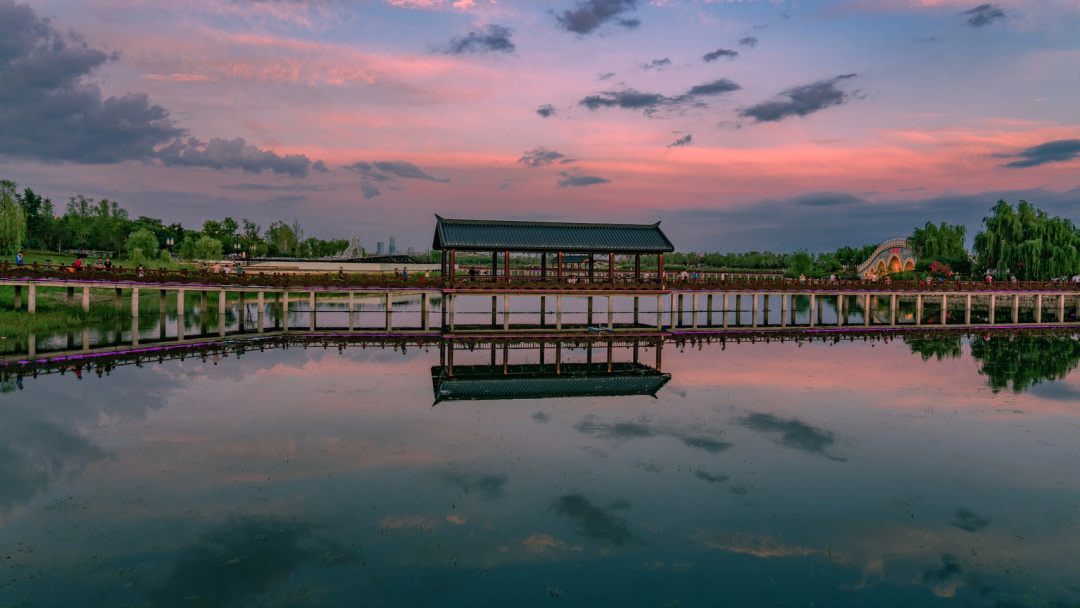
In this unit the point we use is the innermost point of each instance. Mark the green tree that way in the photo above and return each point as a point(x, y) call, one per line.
point(39, 217)
point(1024, 361)
point(799, 263)
point(1028, 243)
point(12, 219)
point(207, 248)
point(141, 246)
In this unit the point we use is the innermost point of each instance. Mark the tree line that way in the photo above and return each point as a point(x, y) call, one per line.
point(30, 221)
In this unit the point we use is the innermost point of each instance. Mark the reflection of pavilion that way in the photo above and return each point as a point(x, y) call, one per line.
point(546, 379)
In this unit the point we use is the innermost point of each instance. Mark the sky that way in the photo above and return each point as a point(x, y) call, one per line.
point(753, 125)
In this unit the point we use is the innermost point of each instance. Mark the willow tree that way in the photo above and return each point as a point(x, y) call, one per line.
point(943, 243)
point(12, 219)
point(1028, 243)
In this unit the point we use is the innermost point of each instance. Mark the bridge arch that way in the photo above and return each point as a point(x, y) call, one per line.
point(894, 255)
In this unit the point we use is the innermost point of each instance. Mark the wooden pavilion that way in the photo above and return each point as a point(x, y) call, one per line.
point(556, 238)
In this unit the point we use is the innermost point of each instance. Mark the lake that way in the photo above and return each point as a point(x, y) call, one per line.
point(890, 473)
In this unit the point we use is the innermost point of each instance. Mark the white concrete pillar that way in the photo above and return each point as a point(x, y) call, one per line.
point(135, 302)
point(944, 308)
point(86, 298)
point(867, 310)
point(1038, 308)
point(753, 310)
point(918, 309)
point(450, 311)
point(723, 305)
point(180, 314)
point(1016, 308)
point(967, 310)
point(1061, 308)
point(221, 313)
point(285, 310)
point(783, 309)
point(840, 310)
point(260, 304)
point(86, 338)
point(813, 309)
point(31, 301)
point(31, 345)
point(163, 301)
point(892, 309)
point(992, 306)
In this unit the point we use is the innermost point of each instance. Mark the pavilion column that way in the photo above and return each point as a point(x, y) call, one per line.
point(543, 310)
point(610, 315)
point(506, 267)
point(135, 302)
point(506, 312)
point(494, 311)
point(659, 312)
point(637, 267)
point(592, 263)
point(424, 304)
point(637, 303)
point(671, 310)
point(451, 268)
point(679, 319)
point(389, 311)
point(611, 268)
point(660, 270)
point(558, 304)
point(558, 274)
point(450, 300)
point(543, 266)
point(494, 266)
point(588, 320)
point(442, 263)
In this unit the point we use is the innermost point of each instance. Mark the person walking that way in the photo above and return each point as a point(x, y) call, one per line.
point(18, 258)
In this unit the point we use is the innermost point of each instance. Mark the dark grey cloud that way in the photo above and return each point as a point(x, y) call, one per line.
point(713, 446)
point(272, 187)
point(800, 101)
point(36, 453)
point(826, 199)
point(592, 521)
point(319, 166)
point(682, 141)
point(718, 53)
point(541, 417)
point(983, 15)
point(232, 154)
point(716, 87)
point(488, 487)
point(656, 64)
point(948, 569)
point(385, 171)
point(630, 99)
point(619, 430)
point(542, 156)
point(491, 39)
point(793, 433)
point(1049, 152)
point(50, 111)
point(369, 190)
point(749, 41)
point(969, 520)
point(546, 110)
point(606, 76)
point(627, 99)
point(705, 476)
point(576, 181)
point(588, 15)
point(238, 562)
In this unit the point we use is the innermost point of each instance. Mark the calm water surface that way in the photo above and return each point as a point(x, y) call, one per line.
point(868, 473)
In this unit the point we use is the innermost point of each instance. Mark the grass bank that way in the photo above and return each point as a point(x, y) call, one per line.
point(53, 314)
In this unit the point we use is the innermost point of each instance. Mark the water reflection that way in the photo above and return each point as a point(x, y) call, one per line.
point(1017, 362)
point(313, 471)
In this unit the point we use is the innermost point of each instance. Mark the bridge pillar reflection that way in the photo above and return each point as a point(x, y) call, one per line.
point(993, 306)
point(840, 310)
point(86, 298)
point(708, 315)
point(260, 303)
point(1016, 308)
point(892, 309)
point(1038, 308)
point(31, 300)
point(179, 314)
point(944, 308)
point(813, 309)
point(967, 310)
point(783, 309)
point(918, 309)
point(693, 311)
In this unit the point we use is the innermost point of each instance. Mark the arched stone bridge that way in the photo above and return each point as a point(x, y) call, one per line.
point(894, 255)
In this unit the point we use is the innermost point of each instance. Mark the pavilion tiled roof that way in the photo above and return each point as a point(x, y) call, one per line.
point(534, 381)
point(492, 235)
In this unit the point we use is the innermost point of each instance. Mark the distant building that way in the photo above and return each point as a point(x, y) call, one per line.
point(393, 248)
point(379, 250)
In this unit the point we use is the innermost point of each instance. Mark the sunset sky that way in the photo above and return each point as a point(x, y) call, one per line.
point(741, 125)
